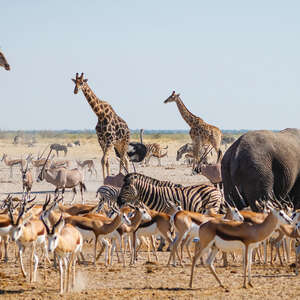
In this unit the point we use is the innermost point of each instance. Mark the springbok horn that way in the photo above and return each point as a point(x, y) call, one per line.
point(47, 200)
point(21, 213)
point(46, 226)
point(56, 224)
point(29, 208)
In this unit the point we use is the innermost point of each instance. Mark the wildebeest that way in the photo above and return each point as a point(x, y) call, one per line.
point(59, 147)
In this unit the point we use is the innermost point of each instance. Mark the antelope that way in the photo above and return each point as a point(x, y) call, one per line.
point(66, 241)
point(13, 162)
point(40, 162)
point(27, 180)
point(187, 225)
point(63, 178)
point(89, 163)
point(28, 231)
point(95, 228)
point(5, 225)
point(60, 164)
point(141, 215)
point(159, 225)
point(231, 235)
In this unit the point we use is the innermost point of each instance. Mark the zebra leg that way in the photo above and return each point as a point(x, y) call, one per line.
point(162, 244)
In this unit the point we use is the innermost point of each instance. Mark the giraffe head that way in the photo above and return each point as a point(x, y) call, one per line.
point(172, 98)
point(79, 81)
point(3, 62)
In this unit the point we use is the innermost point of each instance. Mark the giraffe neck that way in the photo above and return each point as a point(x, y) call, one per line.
point(91, 98)
point(190, 118)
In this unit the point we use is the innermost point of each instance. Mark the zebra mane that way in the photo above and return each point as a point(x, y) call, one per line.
point(152, 180)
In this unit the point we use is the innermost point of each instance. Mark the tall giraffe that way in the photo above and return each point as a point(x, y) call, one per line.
point(201, 133)
point(3, 62)
point(112, 131)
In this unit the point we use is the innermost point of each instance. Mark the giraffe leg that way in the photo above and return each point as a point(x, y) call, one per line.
point(196, 150)
point(104, 160)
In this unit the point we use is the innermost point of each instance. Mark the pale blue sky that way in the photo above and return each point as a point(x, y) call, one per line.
point(235, 63)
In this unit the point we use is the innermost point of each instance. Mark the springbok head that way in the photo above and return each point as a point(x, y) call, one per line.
point(53, 234)
point(173, 98)
point(79, 82)
point(18, 225)
point(277, 209)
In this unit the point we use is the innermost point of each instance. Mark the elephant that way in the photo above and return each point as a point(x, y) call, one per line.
point(261, 164)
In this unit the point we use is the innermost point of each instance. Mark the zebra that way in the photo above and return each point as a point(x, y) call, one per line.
point(108, 194)
point(161, 195)
point(153, 149)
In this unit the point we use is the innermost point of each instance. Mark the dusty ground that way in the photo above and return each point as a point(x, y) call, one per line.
point(145, 280)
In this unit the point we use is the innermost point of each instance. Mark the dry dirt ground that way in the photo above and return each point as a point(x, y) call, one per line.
point(145, 280)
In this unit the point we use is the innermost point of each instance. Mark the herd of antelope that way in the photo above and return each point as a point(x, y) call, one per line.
point(121, 222)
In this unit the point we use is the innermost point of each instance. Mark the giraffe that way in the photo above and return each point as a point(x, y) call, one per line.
point(3, 62)
point(201, 132)
point(112, 131)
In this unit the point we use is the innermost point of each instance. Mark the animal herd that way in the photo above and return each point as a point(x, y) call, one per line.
point(254, 194)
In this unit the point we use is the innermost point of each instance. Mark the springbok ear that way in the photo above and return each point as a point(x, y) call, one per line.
point(27, 219)
point(73, 80)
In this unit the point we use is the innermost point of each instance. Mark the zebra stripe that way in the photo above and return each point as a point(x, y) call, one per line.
point(108, 194)
point(161, 197)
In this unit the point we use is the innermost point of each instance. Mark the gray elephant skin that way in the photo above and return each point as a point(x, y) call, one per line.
point(261, 162)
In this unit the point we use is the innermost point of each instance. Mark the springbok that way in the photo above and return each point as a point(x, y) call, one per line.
point(66, 241)
point(231, 235)
point(89, 163)
point(187, 225)
point(28, 231)
point(95, 228)
point(27, 180)
point(13, 162)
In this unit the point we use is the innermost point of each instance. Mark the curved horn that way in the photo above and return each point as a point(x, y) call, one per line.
point(56, 224)
point(40, 175)
point(46, 226)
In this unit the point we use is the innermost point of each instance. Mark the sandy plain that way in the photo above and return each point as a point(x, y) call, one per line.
point(147, 280)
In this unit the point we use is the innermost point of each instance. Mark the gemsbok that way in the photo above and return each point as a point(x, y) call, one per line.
point(63, 178)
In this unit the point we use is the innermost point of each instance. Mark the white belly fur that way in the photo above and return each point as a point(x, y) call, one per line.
point(228, 245)
point(86, 234)
point(147, 231)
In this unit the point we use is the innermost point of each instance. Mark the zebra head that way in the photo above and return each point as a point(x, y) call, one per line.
point(129, 192)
